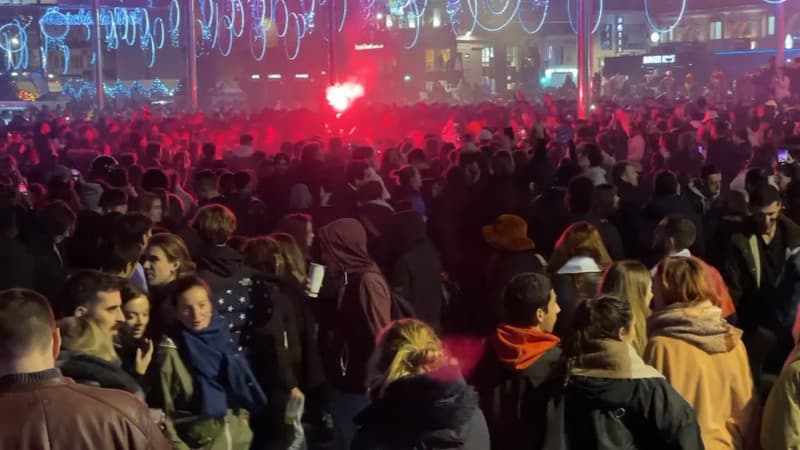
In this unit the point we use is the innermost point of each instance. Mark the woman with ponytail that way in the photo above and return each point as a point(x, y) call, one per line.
point(610, 398)
point(418, 398)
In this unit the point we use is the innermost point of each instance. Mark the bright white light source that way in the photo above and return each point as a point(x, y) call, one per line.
point(655, 36)
point(389, 22)
point(255, 76)
point(342, 96)
point(788, 42)
point(14, 41)
point(379, 16)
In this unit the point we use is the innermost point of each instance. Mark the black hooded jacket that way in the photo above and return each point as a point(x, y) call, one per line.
point(606, 414)
point(229, 279)
point(434, 411)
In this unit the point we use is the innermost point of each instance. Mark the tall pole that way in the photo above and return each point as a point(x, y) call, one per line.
point(191, 56)
point(584, 58)
point(97, 45)
point(331, 34)
point(780, 32)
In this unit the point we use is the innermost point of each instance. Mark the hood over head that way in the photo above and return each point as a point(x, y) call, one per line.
point(343, 244)
point(221, 260)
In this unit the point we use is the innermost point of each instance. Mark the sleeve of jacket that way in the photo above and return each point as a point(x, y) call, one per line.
point(782, 412)
point(376, 302)
point(674, 418)
point(164, 391)
point(732, 273)
point(401, 280)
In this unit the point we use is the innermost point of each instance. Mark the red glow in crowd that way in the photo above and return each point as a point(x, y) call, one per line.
point(341, 96)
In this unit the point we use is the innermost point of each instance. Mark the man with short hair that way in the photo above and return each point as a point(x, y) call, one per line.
point(705, 191)
point(673, 237)
point(519, 359)
point(39, 408)
point(54, 224)
point(206, 187)
point(223, 268)
point(345, 199)
point(756, 266)
point(114, 200)
point(96, 296)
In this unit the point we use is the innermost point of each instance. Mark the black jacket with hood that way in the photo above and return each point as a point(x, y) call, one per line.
point(229, 279)
point(513, 380)
point(613, 400)
point(433, 411)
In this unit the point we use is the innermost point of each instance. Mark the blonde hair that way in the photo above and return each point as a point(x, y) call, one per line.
point(292, 256)
point(682, 280)
point(81, 335)
point(629, 281)
point(404, 348)
point(579, 239)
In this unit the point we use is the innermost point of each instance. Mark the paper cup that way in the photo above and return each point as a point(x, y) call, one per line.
point(316, 273)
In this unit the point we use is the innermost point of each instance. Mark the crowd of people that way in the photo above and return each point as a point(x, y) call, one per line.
point(502, 278)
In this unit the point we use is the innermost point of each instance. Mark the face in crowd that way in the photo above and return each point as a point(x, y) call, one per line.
point(158, 269)
point(195, 309)
point(137, 316)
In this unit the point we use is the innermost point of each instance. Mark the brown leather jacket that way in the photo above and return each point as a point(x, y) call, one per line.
point(46, 411)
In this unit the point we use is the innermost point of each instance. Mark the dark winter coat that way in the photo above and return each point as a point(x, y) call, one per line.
point(416, 270)
point(514, 401)
point(230, 279)
point(432, 411)
point(741, 269)
point(613, 400)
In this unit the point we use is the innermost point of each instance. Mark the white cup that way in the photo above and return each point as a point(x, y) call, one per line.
point(316, 273)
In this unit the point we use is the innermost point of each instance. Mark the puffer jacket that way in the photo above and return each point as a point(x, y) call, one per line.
point(43, 408)
point(434, 411)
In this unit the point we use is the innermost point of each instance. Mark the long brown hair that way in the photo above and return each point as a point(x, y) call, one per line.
point(296, 225)
point(264, 255)
point(292, 256)
point(579, 239)
point(630, 281)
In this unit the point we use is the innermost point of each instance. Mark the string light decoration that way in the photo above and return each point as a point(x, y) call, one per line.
point(656, 28)
point(466, 16)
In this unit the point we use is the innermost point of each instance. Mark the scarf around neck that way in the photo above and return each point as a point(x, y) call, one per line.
point(700, 325)
point(219, 371)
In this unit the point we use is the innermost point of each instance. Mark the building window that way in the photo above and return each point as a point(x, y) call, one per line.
point(512, 57)
point(487, 54)
point(436, 17)
point(715, 30)
point(771, 26)
point(437, 59)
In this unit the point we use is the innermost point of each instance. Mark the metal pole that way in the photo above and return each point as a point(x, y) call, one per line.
point(331, 34)
point(584, 58)
point(97, 44)
point(780, 32)
point(191, 56)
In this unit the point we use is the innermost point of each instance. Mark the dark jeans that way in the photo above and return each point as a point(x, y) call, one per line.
point(344, 406)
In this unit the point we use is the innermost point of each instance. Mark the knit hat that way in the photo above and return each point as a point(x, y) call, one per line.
point(509, 232)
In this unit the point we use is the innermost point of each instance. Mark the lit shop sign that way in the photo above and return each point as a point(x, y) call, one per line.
point(360, 47)
point(658, 59)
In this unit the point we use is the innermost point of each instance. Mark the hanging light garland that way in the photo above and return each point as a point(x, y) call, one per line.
point(655, 27)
